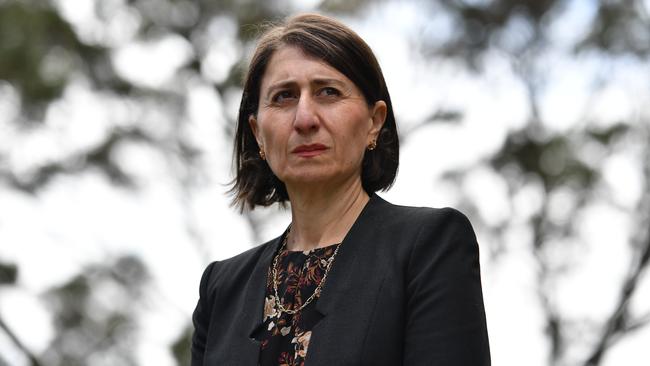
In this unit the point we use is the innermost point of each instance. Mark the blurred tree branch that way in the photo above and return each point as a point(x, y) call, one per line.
point(98, 157)
point(621, 321)
point(34, 361)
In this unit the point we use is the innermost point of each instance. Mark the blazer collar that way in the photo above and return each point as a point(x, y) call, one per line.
point(341, 276)
point(245, 346)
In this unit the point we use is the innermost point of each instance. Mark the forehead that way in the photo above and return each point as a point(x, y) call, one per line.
point(290, 63)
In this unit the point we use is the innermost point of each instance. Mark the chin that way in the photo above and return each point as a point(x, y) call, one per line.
point(309, 176)
point(309, 179)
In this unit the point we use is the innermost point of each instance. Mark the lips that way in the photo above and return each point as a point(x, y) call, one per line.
point(309, 150)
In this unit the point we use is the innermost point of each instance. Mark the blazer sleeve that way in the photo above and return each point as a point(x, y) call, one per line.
point(201, 318)
point(445, 319)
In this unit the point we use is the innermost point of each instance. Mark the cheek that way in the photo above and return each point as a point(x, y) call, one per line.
point(353, 145)
point(276, 141)
point(357, 134)
point(275, 144)
point(270, 132)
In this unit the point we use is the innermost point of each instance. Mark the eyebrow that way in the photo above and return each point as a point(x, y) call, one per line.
point(313, 82)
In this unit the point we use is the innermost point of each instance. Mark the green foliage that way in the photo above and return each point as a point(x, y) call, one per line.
point(480, 25)
point(8, 273)
point(181, 348)
point(94, 314)
point(621, 27)
point(553, 160)
point(609, 135)
point(38, 52)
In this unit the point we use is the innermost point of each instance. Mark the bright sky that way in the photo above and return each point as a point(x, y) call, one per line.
point(84, 219)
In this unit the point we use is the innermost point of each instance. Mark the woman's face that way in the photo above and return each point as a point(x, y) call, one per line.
point(312, 122)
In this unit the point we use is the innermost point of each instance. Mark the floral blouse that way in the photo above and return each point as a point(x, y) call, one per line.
point(284, 338)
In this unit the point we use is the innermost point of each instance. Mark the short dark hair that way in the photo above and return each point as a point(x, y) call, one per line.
point(340, 47)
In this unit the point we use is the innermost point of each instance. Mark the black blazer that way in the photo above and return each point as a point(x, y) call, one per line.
point(405, 289)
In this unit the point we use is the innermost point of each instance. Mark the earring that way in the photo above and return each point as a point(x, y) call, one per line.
point(372, 145)
point(262, 154)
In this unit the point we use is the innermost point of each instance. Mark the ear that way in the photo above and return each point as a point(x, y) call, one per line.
point(378, 117)
point(252, 121)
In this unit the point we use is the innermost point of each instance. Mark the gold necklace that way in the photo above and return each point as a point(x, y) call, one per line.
point(317, 291)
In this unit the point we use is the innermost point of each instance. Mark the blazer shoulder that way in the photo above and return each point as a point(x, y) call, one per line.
point(427, 216)
point(406, 230)
point(237, 267)
point(444, 223)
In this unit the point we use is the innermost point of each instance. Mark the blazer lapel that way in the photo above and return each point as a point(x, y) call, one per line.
point(341, 276)
point(244, 345)
point(345, 276)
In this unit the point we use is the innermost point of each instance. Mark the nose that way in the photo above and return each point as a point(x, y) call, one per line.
point(306, 119)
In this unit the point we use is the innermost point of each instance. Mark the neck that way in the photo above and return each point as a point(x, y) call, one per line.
point(323, 217)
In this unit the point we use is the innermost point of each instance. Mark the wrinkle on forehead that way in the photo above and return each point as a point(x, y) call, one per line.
point(282, 67)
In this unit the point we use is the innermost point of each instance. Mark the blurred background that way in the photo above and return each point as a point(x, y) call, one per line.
point(116, 121)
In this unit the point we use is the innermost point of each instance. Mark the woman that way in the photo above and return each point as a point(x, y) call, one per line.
point(354, 280)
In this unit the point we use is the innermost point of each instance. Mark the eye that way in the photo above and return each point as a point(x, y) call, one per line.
point(282, 96)
point(329, 92)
